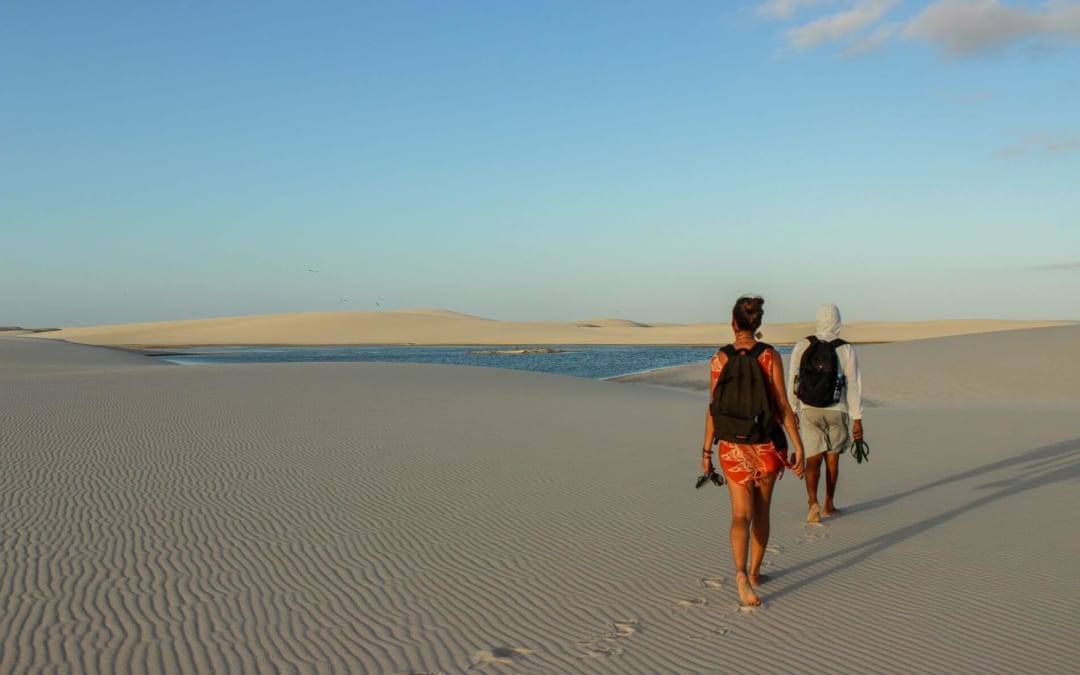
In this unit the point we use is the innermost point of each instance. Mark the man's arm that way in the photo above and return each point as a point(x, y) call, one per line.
point(793, 370)
point(854, 392)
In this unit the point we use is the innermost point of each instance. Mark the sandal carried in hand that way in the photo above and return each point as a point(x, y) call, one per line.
point(716, 478)
point(860, 450)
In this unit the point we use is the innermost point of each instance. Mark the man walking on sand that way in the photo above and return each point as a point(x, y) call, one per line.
point(826, 393)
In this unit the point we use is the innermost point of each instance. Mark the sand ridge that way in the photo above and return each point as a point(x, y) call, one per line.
point(444, 327)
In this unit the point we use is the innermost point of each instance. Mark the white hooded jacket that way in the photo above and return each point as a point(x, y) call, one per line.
point(828, 328)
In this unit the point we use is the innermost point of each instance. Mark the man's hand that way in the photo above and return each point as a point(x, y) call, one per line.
point(797, 467)
point(856, 430)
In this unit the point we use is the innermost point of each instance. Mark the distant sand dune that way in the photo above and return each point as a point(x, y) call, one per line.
point(1034, 366)
point(437, 314)
point(390, 518)
point(611, 323)
point(442, 327)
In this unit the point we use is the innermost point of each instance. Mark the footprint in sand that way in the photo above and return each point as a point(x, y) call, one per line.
point(605, 647)
point(499, 655)
point(713, 583)
point(716, 631)
point(691, 603)
point(625, 628)
point(774, 549)
point(600, 651)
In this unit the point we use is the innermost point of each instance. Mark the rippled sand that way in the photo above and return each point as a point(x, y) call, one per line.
point(386, 518)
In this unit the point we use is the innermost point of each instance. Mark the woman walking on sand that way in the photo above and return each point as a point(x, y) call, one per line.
point(751, 468)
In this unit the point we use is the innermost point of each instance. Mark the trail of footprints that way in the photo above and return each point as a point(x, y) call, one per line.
point(610, 643)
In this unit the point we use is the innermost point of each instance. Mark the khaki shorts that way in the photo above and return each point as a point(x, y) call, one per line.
point(824, 431)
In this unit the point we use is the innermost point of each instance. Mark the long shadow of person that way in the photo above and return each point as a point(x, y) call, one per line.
point(1043, 466)
point(1035, 457)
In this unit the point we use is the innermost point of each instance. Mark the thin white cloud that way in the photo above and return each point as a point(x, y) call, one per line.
point(1040, 141)
point(971, 27)
point(839, 25)
point(873, 41)
point(781, 10)
point(1064, 146)
point(959, 28)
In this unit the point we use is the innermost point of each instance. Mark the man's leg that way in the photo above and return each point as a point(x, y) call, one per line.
point(838, 439)
point(815, 443)
point(812, 475)
point(832, 473)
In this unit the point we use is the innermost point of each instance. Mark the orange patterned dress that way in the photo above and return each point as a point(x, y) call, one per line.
point(744, 463)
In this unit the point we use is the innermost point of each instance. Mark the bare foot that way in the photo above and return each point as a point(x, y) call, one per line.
point(757, 578)
point(815, 514)
point(747, 597)
point(830, 510)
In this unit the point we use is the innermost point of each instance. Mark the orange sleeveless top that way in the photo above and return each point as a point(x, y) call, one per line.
point(744, 463)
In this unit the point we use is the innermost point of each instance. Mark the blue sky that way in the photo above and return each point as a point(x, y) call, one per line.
point(554, 160)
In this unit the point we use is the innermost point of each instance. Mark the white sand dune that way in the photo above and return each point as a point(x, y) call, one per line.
point(611, 323)
point(1030, 367)
point(443, 327)
point(387, 518)
point(37, 357)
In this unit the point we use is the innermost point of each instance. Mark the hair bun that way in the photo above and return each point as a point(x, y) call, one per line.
point(748, 312)
point(752, 302)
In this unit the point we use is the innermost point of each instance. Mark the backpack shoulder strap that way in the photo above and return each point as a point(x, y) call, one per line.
point(729, 350)
point(837, 342)
point(812, 339)
point(759, 348)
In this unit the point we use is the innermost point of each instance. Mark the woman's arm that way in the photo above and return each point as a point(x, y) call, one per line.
point(706, 446)
point(786, 414)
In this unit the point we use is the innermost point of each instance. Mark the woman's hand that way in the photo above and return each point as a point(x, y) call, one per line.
point(706, 461)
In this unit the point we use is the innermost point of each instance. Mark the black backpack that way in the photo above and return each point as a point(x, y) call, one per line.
point(819, 382)
point(742, 407)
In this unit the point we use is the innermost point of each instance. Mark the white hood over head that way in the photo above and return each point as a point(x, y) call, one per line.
point(828, 322)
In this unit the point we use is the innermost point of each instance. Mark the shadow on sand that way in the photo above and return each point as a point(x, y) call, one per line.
point(1032, 470)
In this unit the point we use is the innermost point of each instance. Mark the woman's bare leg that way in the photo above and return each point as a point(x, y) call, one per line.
point(742, 511)
point(759, 526)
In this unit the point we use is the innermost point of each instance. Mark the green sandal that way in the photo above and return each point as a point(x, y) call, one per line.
point(717, 480)
point(860, 450)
